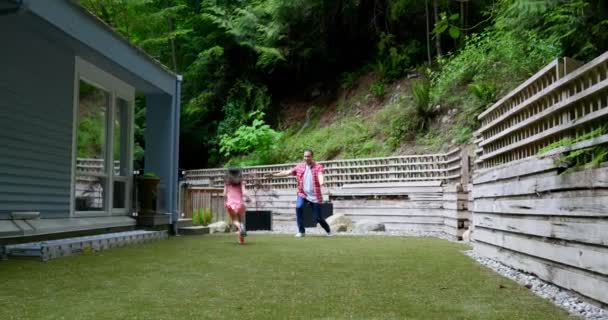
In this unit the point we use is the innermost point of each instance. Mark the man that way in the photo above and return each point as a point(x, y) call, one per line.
point(310, 179)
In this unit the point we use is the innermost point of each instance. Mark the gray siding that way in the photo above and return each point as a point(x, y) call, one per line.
point(36, 105)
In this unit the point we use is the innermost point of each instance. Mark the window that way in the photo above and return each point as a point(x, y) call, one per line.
point(103, 138)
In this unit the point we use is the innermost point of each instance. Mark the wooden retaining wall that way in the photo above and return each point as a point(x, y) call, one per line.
point(419, 192)
point(528, 211)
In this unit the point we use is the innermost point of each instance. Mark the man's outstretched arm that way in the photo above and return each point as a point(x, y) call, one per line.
point(283, 173)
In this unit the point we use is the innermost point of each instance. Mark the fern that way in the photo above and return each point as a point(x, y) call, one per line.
point(566, 142)
point(581, 158)
point(422, 102)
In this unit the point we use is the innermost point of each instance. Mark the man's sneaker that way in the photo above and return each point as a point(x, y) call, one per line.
point(299, 235)
point(329, 234)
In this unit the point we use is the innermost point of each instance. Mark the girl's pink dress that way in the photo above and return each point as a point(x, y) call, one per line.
point(234, 199)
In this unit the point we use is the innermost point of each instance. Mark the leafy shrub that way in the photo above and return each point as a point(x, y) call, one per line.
point(394, 59)
point(196, 218)
point(397, 122)
point(449, 24)
point(492, 55)
point(257, 137)
point(206, 216)
point(243, 99)
point(422, 102)
point(430, 139)
point(202, 216)
point(377, 88)
point(462, 134)
point(484, 91)
point(348, 80)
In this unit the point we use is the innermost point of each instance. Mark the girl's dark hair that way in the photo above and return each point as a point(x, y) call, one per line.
point(234, 176)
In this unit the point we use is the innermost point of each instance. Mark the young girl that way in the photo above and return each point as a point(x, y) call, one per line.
point(234, 192)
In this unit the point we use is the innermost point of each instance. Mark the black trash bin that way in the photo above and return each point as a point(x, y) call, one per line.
point(327, 209)
point(258, 220)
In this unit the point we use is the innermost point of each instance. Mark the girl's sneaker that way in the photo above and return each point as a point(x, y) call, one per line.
point(241, 239)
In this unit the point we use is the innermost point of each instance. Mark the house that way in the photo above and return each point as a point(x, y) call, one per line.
point(67, 89)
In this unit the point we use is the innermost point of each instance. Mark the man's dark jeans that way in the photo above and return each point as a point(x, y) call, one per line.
point(316, 212)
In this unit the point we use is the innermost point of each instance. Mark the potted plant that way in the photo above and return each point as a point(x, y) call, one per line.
point(147, 191)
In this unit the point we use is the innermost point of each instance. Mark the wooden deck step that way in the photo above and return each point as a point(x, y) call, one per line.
point(184, 223)
point(73, 246)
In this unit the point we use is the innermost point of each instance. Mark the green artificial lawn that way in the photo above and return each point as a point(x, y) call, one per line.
point(270, 277)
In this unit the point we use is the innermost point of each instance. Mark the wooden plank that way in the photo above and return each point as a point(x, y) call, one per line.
point(591, 285)
point(391, 212)
point(585, 230)
point(414, 227)
point(583, 179)
point(581, 256)
point(515, 169)
point(548, 112)
point(281, 192)
point(454, 223)
point(548, 133)
point(388, 164)
point(452, 152)
point(455, 232)
point(456, 205)
point(410, 197)
point(207, 189)
point(451, 196)
point(457, 214)
point(465, 164)
point(453, 187)
point(380, 204)
point(396, 171)
point(351, 207)
point(398, 219)
point(549, 68)
point(592, 204)
point(436, 183)
point(424, 197)
point(388, 190)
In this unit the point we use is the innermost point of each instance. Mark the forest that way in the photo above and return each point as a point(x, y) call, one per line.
point(251, 66)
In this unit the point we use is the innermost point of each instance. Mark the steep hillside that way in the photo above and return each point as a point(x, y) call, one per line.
point(365, 118)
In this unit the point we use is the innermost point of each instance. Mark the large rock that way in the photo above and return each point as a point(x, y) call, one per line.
point(219, 227)
point(339, 223)
point(368, 225)
point(339, 228)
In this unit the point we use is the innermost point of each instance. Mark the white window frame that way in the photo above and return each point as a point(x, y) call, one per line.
point(86, 71)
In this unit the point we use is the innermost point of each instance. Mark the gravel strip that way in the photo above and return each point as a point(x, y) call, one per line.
point(560, 297)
